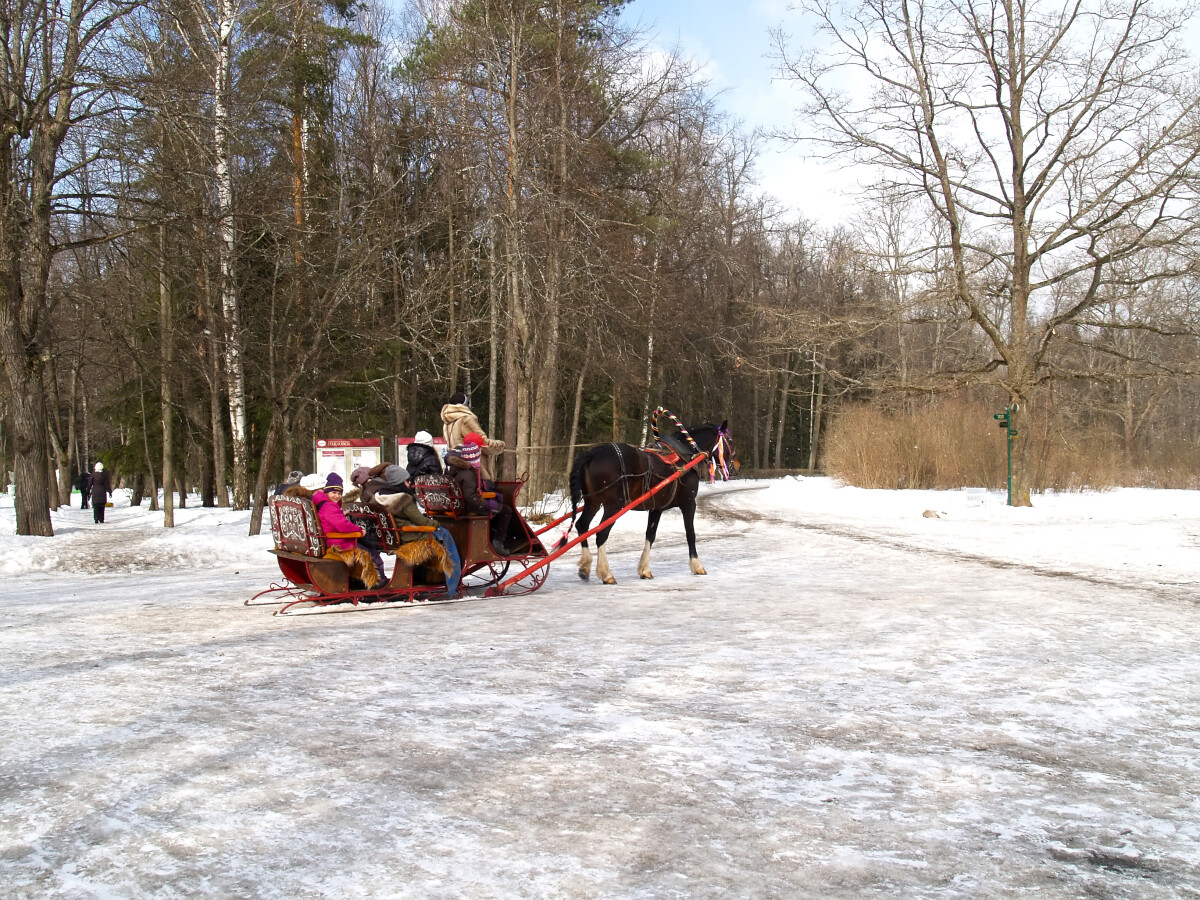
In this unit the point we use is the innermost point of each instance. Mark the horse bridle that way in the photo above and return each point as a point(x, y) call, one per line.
point(719, 464)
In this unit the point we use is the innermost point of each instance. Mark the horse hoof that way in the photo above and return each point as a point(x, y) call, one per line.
point(610, 581)
point(584, 576)
point(647, 576)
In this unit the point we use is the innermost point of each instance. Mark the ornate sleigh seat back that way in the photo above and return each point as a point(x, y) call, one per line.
point(438, 495)
point(295, 528)
point(375, 524)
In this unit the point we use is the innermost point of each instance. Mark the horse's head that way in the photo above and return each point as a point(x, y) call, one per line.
point(713, 440)
point(717, 442)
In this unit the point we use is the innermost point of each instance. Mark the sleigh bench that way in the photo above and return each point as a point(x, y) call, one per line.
point(300, 547)
point(300, 544)
point(442, 499)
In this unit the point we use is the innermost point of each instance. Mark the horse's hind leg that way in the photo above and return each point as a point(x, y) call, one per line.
point(651, 531)
point(689, 527)
point(603, 572)
point(582, 524)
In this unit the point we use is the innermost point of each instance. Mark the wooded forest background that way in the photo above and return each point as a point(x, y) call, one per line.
point(230, 226)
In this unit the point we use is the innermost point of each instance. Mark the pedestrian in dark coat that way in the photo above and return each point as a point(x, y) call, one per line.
point(101, 488)
point(85, 488)
point(422, 458)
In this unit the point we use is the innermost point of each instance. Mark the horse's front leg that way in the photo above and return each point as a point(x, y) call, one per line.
point(582, 524)
point(651, 531)
point(689, 514)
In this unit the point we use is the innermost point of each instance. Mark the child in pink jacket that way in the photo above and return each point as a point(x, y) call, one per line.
point(328, 504)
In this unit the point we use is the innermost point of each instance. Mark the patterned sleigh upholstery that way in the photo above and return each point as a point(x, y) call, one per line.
point(438, 495)
point(294, 526)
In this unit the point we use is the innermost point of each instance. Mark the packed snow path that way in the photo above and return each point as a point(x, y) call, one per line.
point(852, 702)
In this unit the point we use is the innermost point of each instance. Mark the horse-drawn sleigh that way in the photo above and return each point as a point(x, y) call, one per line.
point(456, 559)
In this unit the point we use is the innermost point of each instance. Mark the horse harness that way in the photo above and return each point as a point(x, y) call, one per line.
point(664, 452)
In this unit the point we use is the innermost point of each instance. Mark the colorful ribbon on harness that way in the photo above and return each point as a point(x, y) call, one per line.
point(718, 464)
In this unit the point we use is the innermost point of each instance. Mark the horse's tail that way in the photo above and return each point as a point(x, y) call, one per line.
point(576, 484)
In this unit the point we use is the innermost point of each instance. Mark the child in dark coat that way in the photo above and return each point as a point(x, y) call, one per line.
point(462, 465)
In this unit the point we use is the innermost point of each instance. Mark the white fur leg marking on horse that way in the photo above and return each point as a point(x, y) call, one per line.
point(644, 562)
point(585, 563)
point(602, 570)
point(697, 566)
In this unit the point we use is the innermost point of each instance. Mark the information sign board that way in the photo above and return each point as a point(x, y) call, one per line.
point(344, 455)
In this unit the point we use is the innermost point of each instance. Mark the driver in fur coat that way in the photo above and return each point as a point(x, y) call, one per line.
point(458, 421)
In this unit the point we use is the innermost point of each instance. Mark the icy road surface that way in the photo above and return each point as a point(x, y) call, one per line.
point(855, 701)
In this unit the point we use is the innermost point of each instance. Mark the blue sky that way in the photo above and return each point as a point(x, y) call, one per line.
point(732, 42)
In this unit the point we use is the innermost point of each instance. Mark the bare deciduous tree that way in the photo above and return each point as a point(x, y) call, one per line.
point(1056, 141)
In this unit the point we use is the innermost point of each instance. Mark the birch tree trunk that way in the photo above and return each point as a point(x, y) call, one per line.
point(516, 382)
point(493, 329)
point(235, 376)
point(650, 347)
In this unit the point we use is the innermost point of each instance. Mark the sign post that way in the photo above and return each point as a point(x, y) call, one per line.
point(1005, 420)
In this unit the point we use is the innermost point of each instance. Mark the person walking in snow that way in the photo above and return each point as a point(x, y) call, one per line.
point(85, 489)
point(458, 421)
point(101, 487)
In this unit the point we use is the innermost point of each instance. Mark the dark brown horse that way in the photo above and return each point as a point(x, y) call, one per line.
point(613, 475)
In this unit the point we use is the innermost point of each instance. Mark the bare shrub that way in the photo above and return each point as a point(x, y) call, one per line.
point(949, 443)
point(944, 444)
point(1175, 464)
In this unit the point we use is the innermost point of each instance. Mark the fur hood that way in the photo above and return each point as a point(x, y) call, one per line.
point(452, 412)
point(457, 461)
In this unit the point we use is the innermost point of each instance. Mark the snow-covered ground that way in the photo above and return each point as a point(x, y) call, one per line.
point(858, 699)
